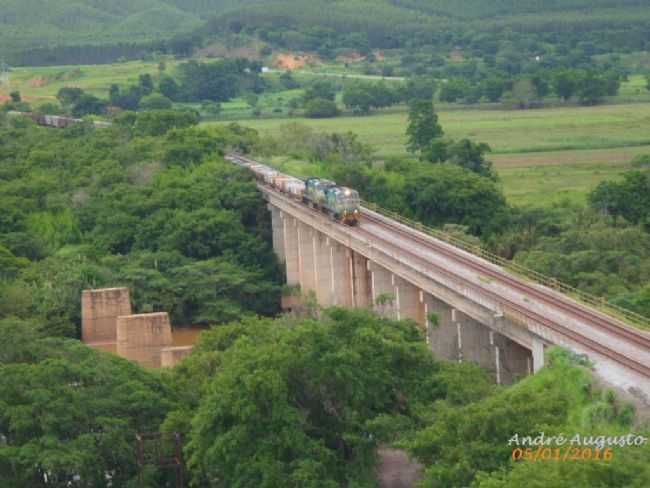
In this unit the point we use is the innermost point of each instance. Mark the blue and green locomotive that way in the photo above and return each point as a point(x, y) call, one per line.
point(340, 202)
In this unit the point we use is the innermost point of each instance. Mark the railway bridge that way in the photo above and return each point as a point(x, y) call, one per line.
point(486, 313)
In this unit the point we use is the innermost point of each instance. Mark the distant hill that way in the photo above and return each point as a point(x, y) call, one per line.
point(34, 23)
point(49, 24)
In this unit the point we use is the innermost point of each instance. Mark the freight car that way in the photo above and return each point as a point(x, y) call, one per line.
point(342, 203)
point(58, 121)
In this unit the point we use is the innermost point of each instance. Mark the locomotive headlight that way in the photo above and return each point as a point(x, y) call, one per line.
point(347, 192)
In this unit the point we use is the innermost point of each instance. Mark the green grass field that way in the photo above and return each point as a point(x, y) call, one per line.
point(43, 83)
point(567, 128)
point(542, 156)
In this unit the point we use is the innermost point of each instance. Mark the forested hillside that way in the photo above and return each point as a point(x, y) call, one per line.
point(29, 29)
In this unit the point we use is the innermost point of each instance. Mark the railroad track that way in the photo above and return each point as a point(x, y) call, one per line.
point(627, 338)
point(574, 309)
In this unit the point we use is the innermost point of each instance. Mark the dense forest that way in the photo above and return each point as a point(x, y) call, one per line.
point(86, 32)
point(150, 203)
point(81, 211)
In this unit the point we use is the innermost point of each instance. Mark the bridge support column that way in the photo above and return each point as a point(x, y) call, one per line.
point(306, 259)
point(443, 336)
point(361, 281)
point(497, 358)
point(475, 342)
point(407, 299)
point(341, 278)
point(291, 250)
point(277, 224)
point(514, 359)
point(322, 269)
point(383, 291)
point(538, 354)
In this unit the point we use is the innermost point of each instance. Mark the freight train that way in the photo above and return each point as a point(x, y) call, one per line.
point(341, 203)
point(58, 121)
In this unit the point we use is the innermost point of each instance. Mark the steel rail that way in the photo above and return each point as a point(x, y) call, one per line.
point(429, 266)
point(609, 310)
point(573, 308)
point(560, 329)
point(471, 257)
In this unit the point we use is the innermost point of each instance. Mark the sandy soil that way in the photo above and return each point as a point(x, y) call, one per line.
point(294, 61)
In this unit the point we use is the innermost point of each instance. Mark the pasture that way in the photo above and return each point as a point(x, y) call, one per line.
point(42, 83)
point(542, 156)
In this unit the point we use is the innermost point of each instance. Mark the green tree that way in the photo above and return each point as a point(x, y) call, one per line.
point(322, 89)
point(423, 126)
point(155, 101)
point(449, 194)
point(358, 98)
point(158, 122)
point(293, 403)
point(10, 265)
point(420, 88)
point(565, 84)
point(523, 95)
point(15, 97)
point(493, 88)
point(69, 412)
point(321, 108)
point(68, 95)
point(88, 105)
point(471, 156)
point(629, 198)
point(592, 88)
point(145, 82)
point(288, 81)
point(168, 87)
point(454, 90)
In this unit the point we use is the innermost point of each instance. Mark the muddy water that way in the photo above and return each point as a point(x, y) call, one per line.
point(181, 336)
point(186, 336)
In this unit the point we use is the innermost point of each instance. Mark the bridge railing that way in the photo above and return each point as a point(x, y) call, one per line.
point(600, 303)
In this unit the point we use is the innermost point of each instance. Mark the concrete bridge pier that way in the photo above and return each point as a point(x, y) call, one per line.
point(306, 258)
point(443, 336)
point(277, 224)
point(341, 278)
point(474, 342)
point(291, 250)
point(384, 292)
point(323, 268)
point(407, 299)
point(512, 360)
point(361, 281)
point(538, 354)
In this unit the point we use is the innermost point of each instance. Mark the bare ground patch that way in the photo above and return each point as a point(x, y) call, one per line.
point(294, 61)
point(396, 470)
